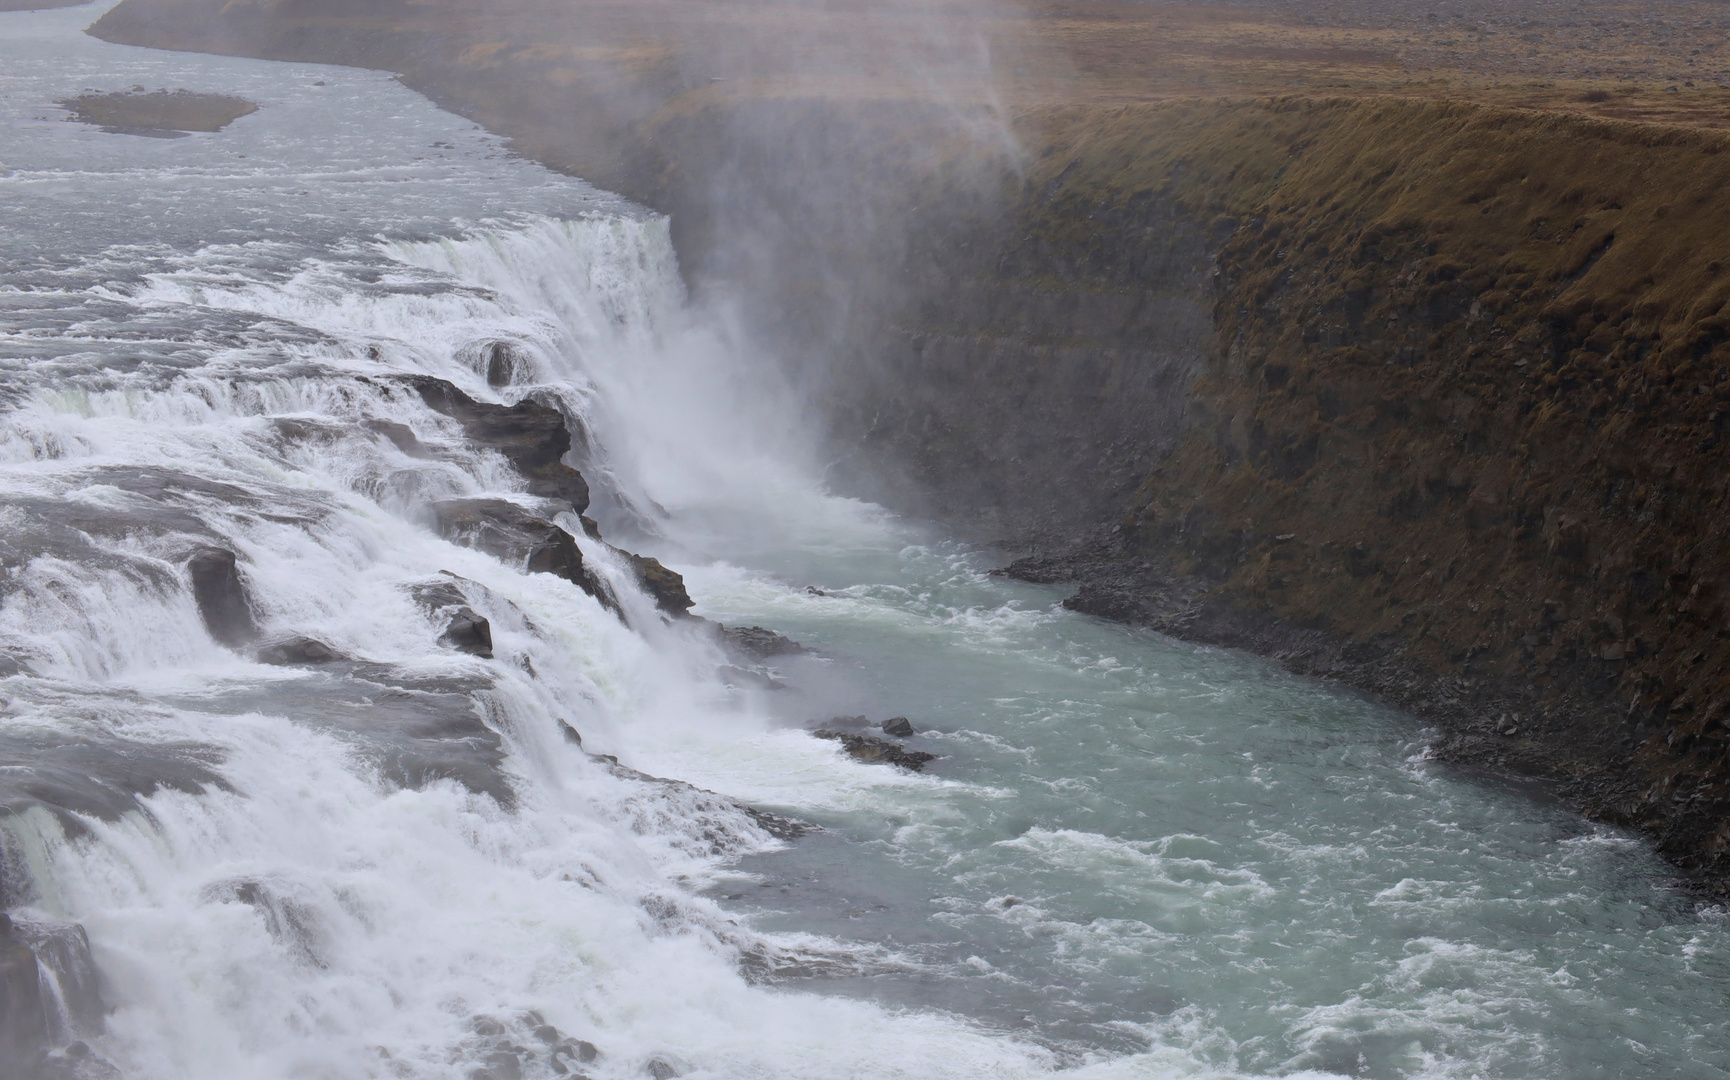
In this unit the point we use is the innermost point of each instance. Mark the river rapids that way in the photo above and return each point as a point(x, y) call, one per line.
point(341, 844)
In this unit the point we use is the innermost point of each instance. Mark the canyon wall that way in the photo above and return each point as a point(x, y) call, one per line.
point(1455, 435)
point(1420, 394)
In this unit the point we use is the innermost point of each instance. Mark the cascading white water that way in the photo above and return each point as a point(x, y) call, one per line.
point(396, 865)
point(1132, 858)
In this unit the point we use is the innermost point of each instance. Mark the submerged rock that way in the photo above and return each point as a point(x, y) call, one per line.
point(297, 650)
point(869, 748)
point(736, 676)
point(759, 643)
point(221, 596)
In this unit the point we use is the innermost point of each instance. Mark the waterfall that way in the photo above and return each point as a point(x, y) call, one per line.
point(389, 856)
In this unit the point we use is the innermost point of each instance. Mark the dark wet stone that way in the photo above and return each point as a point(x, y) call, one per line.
point(898, 726)
point(872, 749)
point(469, 632)
point(501, 364)
point(759, 643)
point(221, 596)
point(296, 651)
point(532, 436)
point(660, 1070)
point(570, 733)
point(666, 586)
point(42, 963)
point(24, 1015)
point(782, 828)
point(402, 436)
point(11, 666)
point(522, 537)
point(441, 593)
point(465, 629)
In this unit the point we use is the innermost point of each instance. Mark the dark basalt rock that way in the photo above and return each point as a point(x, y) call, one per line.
point(517, 535)
point(296, 651)
point(24, 1015)
point(532, 436)
point(666, 586)
point(470, 633)
point(759, 643)
point(221, 596)
point(781, 828)
point(402, 436)
point(48, 984)
point(871, 749)
point(507, 1049)
point(898, 726)
point(465, 629)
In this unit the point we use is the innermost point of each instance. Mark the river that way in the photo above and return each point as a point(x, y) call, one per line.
point(1132, 857)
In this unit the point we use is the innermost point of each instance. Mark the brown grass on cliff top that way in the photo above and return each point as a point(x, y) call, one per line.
point(1609, 58)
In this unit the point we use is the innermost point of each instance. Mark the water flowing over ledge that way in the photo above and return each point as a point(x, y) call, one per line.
point(346, 843)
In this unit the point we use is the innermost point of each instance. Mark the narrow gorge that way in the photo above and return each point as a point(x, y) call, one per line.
point(848, 541)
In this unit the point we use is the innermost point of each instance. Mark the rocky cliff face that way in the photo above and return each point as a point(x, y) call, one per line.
point(1455, 431)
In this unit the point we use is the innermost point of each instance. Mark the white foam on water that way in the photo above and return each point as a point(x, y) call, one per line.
point(1218, 871)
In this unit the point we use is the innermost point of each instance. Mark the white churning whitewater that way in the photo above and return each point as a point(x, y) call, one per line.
point(1132, 858)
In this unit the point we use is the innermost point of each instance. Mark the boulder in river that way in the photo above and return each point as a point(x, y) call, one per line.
point(296, 651)
point(469, 632)
point(898, 726)
point(759, 643)
point(466, 630)
point(872, 749)
point(221, 596)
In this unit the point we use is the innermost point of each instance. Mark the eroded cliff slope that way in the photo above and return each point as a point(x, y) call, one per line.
point(1457, 432)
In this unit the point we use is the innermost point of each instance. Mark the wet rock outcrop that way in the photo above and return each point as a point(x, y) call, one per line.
point(297, 651)
point(49, 1003)
point(757, 643)
point(870, 748)
point(221, 596)
point(666, 586)
point(465, 629)
point(532, 437)
point(521, 537)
